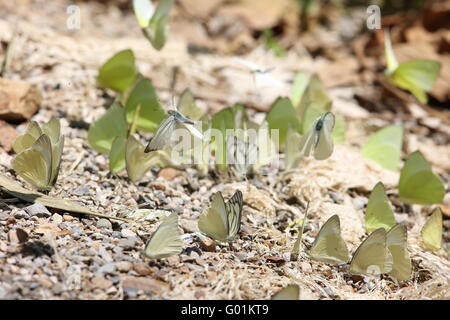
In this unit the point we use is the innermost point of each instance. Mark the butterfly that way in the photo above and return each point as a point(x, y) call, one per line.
point(38, 161)
point(163, 136)
point(166, 240)
point(418, 184)
point(153, 22)
point(372, 256)
point(396, 243)
point(222, 221)
point(261, 76)
point(241, 155)
point(329, 247)
point(290, 292)
point(385, 147)
point(431, 232)
point(416, 76)
point(137, 162)
point(318, 140)
point(379, 213)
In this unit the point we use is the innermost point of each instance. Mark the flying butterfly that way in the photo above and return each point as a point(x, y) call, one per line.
point(329, 247)
point(261, 76)
point(166, 240)
point(396, 243)
point(431, 232)
point(222, 221)
point(318, 140)
point(372, 256)
point(163, 136)
point(290, 292)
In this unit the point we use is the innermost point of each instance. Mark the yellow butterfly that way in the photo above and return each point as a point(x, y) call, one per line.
point(290, 292)
point(39, 154)
point(329, 247)
point(372, 256)
point(222, 221)
point(166, 240)
point(432, 231)
point(396, 243)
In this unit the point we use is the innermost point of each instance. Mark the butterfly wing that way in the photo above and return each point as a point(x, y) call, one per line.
point(372, 256)
point(214, 221)
point(166, 240)
point(379, 213)
point(396, 243)
point(234, 214)
point(34, 164)
point(431, 232)
point(324, 144)
point(163, 135)
point(307, 141)
point(143, 9)
point(27, 139)
point(290, 292)
point(329, 247)
point(52, 129)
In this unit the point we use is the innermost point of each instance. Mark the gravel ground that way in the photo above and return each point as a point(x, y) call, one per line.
point(50, 254)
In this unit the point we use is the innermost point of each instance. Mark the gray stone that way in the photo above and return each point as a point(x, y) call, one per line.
point(128, 243)
point(81, 190)
point(104, 223)
point(107, 269)
point(38, 210)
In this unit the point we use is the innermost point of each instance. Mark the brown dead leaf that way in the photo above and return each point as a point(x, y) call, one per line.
point(257, 14)
point(342, 72)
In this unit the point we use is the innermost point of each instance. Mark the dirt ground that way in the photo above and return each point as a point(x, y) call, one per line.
point(71, 256)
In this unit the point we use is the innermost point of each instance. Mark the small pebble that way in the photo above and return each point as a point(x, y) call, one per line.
point(104, 223)
point(38, 210)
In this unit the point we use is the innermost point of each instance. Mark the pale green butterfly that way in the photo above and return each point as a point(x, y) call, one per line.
point(222, 221)
point(137, 162)
point(26, 140)
point(418, 184)
point(155, 27)
point(318, 140)
point(166, 240)
point(379, 213)
point(291, 151)
point(290, 292)
point(35, 164)
point(372, 256)
point(385, 147)
point(396, 243)
point(39, 158)
point(416, 76)
point(329, 247)
point(431, 232)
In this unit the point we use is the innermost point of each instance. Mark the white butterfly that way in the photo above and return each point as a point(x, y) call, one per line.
point(222, 221)
point(318, 140)
point(166, 240)
point(241, 155)
point(163, 136)
point(261, 75)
